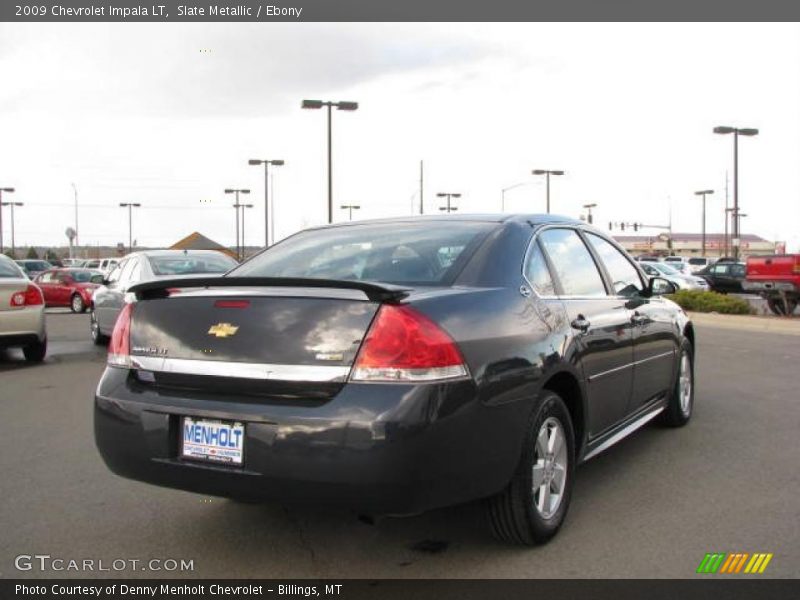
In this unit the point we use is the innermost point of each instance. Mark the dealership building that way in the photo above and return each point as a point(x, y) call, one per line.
point(691, 244)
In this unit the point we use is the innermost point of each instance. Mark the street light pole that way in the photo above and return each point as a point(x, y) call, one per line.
point(508, 189)
point(237, 205)
point(449, 196)
point(547, 173)
point(75, 191)
point(351, 208)
point(267, 211)
point(589, 208)
point(12, 205)
point(736, 131)
point(130, 206)
point(703, 193)
point(242, 207)
point(9, 190)
point(342, 105)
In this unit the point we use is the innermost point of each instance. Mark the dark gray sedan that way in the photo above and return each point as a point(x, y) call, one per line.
point(150, 265)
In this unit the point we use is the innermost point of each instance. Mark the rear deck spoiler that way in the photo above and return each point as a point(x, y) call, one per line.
point(377, 292)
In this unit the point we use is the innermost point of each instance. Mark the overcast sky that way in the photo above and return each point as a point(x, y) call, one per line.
point(167, 115)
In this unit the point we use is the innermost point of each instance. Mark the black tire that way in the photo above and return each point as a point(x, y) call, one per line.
point(777, 306)
point(678, 413)
point(513, 514)
point(36, 351)
point(76, 304)
point(94, 329)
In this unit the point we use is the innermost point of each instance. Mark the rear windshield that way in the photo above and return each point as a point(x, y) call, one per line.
point(189, 264)
point(697, 261)
point(10, 270)
point(421, 253)
point(673, 259)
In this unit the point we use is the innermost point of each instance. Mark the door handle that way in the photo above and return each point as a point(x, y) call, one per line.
point(638, 319)
point(581, 324)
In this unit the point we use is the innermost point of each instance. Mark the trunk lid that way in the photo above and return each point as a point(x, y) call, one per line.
point(253, 338)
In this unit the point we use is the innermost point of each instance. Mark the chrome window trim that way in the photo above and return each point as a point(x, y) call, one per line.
point(578, 229)
point(243, 370)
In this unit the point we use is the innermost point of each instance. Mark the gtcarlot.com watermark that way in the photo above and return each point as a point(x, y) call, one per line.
point(46, 562)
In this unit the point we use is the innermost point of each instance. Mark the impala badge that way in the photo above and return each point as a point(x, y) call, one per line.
point(222, 330)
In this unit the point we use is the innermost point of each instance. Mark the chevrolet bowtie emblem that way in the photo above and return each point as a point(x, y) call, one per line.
point(222, 330)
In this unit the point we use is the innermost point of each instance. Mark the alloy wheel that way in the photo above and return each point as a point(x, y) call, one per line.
point(549, 467)
point(685, 384)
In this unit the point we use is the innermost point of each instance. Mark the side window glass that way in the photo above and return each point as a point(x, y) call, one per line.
point(537, 273)
point(720, 269)
point(624, 276)
point(572, 263)
point(125, 276)
point(115, 274)
point(737, 270)
point(135, 274)
point(45, 278)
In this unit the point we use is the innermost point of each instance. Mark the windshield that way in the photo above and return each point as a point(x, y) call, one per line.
point(186, 264)
point(697, 261)
point(665, 269)
point(36, 265)
point(425, 253)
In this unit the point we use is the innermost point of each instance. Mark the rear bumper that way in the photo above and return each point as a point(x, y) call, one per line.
point(376, 448)
point(22, 326)
point(769, 287)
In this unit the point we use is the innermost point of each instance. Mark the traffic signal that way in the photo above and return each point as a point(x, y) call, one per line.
point(636, 227)
point(610, 225)
point(622, 226)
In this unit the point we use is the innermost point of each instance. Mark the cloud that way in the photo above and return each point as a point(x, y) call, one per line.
point(210, 70)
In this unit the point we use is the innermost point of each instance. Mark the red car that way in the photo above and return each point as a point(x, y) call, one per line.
point(68, 287)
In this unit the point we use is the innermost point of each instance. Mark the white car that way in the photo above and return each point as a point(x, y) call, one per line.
point(680, 280)
point(679, 263)
point(698, 263)
point(22, 322)
point(104, 265)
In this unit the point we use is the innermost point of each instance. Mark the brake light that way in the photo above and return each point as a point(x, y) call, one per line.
point(796, 267)
point(32, 296)
point(405, 345)
point(119, 349)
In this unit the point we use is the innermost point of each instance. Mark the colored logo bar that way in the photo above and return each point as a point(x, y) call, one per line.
point(735, 562)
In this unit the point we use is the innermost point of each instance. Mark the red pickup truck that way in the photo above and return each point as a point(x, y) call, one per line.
point(776, 278)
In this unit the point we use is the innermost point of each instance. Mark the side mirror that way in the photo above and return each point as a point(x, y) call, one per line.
point(659, 286)
point(98, 279)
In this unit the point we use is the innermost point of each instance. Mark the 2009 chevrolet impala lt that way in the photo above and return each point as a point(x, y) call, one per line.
point(396, 366)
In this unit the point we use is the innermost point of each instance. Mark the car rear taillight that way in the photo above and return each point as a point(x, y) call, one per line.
point(119, 350)
point(404, 345)
point(32, 296)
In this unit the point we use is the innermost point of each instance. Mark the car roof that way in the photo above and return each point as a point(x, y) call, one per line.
point(174, 253)
point(532, 219)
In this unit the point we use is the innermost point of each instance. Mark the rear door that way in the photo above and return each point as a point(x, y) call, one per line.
point(601, 323)
point(48, 284)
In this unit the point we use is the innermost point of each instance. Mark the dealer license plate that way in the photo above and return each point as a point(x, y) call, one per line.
point(214, 441)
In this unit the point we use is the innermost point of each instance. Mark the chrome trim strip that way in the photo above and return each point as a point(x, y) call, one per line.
point(243, 370)
point(644, 419)
point(632, 364)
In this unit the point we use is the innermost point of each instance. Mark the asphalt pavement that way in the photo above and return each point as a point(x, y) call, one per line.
point(652, 506)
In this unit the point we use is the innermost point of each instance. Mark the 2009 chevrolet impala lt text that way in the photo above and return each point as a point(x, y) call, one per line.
point(397, 366)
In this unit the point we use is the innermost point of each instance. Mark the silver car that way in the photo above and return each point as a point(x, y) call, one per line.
point(680, 280)
point(108, 300)
point(21, 312)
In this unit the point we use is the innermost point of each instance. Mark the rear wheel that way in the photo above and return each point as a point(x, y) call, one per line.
point(97, 337)
point(35, 351)
point(681, 402)
point(533, 506)
point(76, 304)
point(777, 306)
